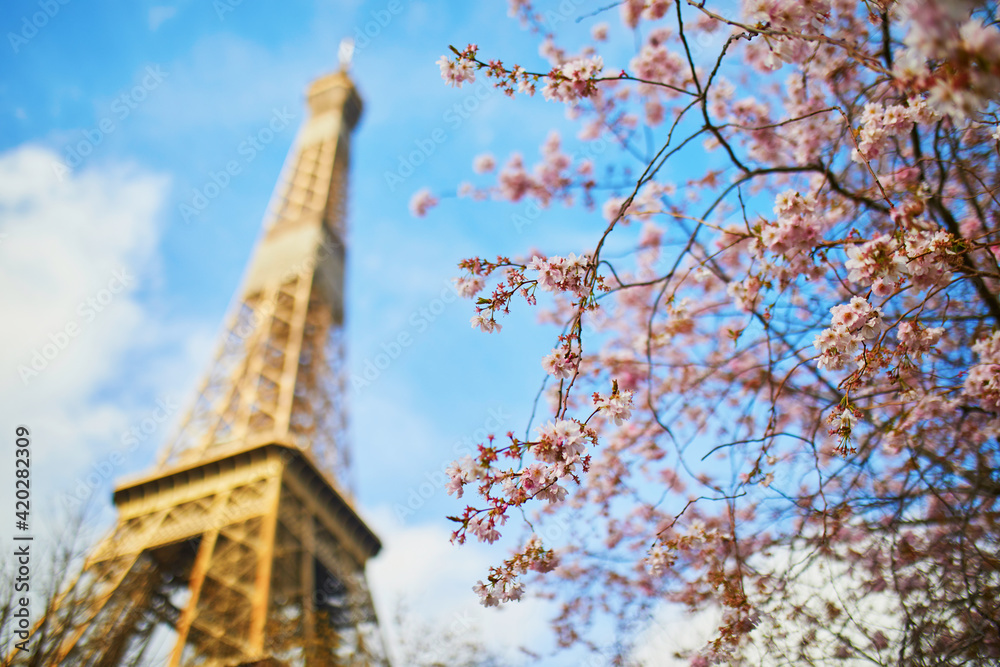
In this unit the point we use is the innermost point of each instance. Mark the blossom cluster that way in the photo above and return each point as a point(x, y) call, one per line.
point(927, 257)
point(878, 263)
point(458, 71)
point(880, 124)
point(464, 67)
point(617, 406)
point(983, 380)
point(790, 17)
point(745, 292)
point(562, 362)
point(502, 584)
point(421, 202)
point(916, 340)
point(468, 286)
point(561, 443)
point(485, 322)
point(561, 274)
point(657, 64)
point(931, 256)
point(462, 472)
point(853, 324)
point(560, 453)
point(965, 50)
point(873, 129)
point(573, 80)
point(550, 179)
point(571, 274)
point(484, 163)
point(842, 420)
point(798, 226)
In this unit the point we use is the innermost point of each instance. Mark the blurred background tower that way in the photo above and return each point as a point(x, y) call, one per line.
point(243, 547)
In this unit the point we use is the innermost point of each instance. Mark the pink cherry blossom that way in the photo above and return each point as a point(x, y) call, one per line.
point(484, 163)
point(421, 202)
point(573, 80)
point(618, 406)
point(797, 315)
point(456, 72)
point(983, 380)
point(487, 324)
point(560, 363)
point(468, 287)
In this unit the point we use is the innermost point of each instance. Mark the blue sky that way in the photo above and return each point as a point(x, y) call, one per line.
point(159, 96)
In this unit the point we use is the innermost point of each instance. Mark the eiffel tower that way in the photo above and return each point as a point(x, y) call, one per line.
point(243, 546)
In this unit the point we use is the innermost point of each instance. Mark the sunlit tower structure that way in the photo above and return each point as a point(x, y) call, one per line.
point(243, 546)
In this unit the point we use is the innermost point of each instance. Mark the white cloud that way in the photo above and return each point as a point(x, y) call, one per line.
point(418, 565)
point(158, 15)
point(225, 81)
point(77, 335)
point(674, 629)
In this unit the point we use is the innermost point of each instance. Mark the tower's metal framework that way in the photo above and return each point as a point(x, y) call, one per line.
point(243, 547)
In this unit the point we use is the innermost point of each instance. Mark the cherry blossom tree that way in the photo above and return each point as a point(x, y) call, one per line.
point(784, 404)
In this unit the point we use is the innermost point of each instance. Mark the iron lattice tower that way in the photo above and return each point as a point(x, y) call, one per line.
point(243, 547)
